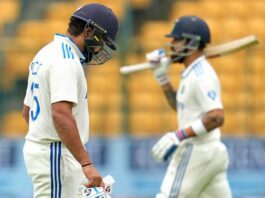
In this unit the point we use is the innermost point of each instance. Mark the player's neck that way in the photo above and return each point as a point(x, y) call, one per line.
point(78, 40)
point(189, 59)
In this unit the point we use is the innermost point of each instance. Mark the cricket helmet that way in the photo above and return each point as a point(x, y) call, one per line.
point(105, 27)
point(194, 34)
point(191, 26)
point(102, 17)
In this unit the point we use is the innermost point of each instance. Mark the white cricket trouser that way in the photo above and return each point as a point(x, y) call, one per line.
point(197, 170)
point(54, 171)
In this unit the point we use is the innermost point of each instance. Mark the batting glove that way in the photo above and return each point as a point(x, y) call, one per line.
point(160, 65)
point(109, 182)
point(95, 192)
point(165, 146)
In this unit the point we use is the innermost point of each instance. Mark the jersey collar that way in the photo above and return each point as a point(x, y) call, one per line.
point(62, 37)
point(186, 72)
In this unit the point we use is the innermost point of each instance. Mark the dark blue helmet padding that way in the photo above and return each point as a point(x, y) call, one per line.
point(191, 25)
point(102, 16)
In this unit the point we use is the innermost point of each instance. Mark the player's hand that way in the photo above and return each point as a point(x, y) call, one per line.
point(94, 178)
point(160, 64)
point(165, 146)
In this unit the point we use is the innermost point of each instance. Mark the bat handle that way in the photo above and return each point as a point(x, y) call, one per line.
point(135, 68)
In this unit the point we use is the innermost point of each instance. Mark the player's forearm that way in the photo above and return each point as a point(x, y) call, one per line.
point(213, 119)
point(210, 121)
point(68, 132)
point(170, 94)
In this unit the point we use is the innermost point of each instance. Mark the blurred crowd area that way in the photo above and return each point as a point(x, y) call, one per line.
point(134, 104)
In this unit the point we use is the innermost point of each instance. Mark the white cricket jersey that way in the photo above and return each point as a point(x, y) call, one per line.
point(56, 74)
point(199, 92)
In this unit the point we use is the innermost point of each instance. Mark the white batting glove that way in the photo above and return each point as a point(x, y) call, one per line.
point(160, 64)
point(95, 192)
point(109, 182)
point(165, 146)
point(98, 192)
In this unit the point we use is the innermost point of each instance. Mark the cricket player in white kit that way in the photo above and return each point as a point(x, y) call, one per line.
point(199, 160)
point(55, 105)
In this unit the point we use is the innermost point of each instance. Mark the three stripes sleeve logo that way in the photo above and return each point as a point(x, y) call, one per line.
point(67, 51)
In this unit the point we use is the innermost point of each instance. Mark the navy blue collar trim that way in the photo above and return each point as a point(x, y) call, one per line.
point(62, 35)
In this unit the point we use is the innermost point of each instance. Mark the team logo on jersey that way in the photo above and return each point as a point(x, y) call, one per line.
point(212, 95)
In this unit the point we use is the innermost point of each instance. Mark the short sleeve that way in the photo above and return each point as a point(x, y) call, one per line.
point(63, 81)
point(208, 94)
point(27, 98)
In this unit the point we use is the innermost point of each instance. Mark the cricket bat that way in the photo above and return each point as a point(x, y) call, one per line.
point(210, 52)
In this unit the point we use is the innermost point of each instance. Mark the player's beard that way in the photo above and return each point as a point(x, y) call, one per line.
point(181, 55)
point(178, 54)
